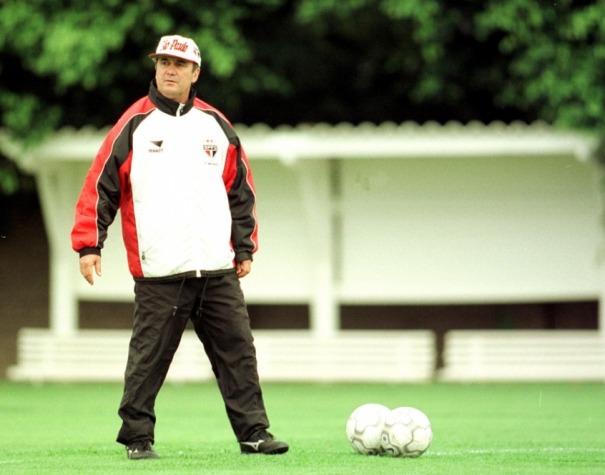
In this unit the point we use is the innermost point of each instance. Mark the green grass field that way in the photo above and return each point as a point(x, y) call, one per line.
point(478, 429)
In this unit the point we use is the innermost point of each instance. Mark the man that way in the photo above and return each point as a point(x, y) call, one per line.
point(175, 168)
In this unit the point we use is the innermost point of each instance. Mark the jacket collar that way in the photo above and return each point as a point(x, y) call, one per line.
point(168, 105)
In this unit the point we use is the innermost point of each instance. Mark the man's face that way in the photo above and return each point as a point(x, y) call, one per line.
point(174, 77)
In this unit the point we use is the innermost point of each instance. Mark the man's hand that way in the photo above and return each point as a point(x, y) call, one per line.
point(87, 264)
point(243, 268)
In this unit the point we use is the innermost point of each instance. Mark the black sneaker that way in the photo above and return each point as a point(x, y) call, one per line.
point(263, 443)
point(141, 449)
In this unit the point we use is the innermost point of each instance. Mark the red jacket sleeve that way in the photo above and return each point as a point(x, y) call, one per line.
point(100, 197)
point(242, 201)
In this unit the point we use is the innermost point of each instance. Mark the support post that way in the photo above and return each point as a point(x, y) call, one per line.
point(316, 193)
point(57, 189)
point(63, 306)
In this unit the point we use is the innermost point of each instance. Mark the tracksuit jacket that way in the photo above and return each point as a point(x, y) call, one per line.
point(184, 188)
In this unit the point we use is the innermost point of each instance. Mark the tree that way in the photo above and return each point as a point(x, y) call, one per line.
point(80, 62)
point(77, 63)
point(555, 57)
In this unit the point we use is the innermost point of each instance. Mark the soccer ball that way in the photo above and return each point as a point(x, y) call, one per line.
point(365, 427)
point(407, 433)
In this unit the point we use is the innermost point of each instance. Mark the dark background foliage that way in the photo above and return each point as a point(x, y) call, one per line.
point(79, 63)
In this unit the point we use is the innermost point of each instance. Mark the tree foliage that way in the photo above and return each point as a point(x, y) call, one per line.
point(555, 57)
point(80, 62)
point(77, 63)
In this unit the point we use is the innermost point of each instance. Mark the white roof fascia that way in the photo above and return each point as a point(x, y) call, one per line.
point(319, 141)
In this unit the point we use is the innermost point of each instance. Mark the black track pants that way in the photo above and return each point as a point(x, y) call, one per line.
point(218, 312)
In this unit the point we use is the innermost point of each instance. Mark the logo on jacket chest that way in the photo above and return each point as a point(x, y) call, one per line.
point(157, 146)
point(211, 150)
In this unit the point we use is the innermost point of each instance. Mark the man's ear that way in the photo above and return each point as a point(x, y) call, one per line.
point(196, 74)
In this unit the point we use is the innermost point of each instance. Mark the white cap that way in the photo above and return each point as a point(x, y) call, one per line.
point(178, 47)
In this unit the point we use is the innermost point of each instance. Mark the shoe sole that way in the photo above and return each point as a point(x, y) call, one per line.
point(276, 451)
point(143, 456)
point(279, 450)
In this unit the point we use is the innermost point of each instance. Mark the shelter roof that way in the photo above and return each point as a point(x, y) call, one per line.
point(345, 141)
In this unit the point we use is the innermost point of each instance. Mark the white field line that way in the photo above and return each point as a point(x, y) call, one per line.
point(453, 453)
point(534, 450)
